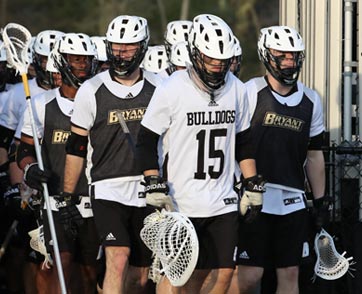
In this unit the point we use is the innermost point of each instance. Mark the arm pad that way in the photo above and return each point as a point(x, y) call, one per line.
point(316, 142)
point(24, 150)
point(146, 149)
point(244, 147)
point(77, 145)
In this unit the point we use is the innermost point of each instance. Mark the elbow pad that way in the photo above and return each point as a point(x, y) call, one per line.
point(77, 145)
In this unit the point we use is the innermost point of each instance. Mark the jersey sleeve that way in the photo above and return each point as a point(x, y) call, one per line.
point(243, 115)
point(84, 107)
point(158, 114)
point(317, 124)
point(38, 109)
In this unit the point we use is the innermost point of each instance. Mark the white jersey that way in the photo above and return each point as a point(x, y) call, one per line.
point(201, 138)
point(102, 94)
point(281, 198)
point(15, 104)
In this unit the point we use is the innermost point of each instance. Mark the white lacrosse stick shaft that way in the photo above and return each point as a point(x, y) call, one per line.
point(21, 67)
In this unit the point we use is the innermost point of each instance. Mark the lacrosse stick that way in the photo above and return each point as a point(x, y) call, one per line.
point(172, 239)
point(125, 130)
point(330, 265)
point(7, 239)
point(16, 41)
point(37, 243)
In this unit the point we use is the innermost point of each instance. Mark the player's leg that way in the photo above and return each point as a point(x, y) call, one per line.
point(215, 253)
point(112, 223)
point(254, 250)
point(290, 235)
point(88, 246)
point(140, 260)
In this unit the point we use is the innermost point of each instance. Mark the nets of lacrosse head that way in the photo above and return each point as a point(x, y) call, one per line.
point(172, 238)
point(37, 243)
point(330, 265)
point(16, 41)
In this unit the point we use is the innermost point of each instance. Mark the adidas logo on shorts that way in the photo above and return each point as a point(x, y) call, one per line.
point(110, 237)
point(244, 255)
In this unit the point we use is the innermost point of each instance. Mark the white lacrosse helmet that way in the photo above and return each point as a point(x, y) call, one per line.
point(74, 44)
point(212, 37)
point(30, 50)
point(126, 29)
point(155, 59)
point(176, 31)
point(236, 63)
point(180, 54)
point(45, 40)
point(43, 44)
point(285, 39)
point(100, 44)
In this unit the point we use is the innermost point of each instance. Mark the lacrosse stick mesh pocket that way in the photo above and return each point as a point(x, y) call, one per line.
point(173, 240)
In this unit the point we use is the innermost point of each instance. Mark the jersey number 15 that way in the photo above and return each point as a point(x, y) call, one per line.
point(213, 153)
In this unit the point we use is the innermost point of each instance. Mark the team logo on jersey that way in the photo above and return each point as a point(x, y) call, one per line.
point(133, 114)
point(283, 121)
point(60, 136)
point(210, 117)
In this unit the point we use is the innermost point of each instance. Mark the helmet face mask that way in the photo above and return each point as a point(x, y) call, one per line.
point(284, 40)
point(211, 38)
point(126, 29)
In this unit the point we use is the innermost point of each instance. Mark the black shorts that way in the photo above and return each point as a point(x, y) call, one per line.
point(273, 240)
point(84, 247)
point(217, 240)
point(120, 225)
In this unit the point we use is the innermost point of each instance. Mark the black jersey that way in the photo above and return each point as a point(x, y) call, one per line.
point(280, 134)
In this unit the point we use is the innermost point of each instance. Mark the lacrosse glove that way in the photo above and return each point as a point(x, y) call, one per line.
point(70, 217)
point(321, 208)
point(34, 176)
point(251, 201)
point(156, 190)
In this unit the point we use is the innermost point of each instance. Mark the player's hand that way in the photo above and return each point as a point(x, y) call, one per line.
point(156, 190)
point(34, 177)
point(321, 212)
point(70, 216)
point(251, 201)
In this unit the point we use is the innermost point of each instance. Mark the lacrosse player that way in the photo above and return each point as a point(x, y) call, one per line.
point(118, 95)
point(287, 133)
point(176, 31)
point(205, 113)
point(76, 234)
point(11, 118)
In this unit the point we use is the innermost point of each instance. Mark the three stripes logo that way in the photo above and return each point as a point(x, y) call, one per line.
point(110, 237)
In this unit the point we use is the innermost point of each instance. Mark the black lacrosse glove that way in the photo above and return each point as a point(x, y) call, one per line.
point(251, 202)
point(156, 190)
point(13, 202)
point(70, 217)
point(34, 176)
point(321, 212)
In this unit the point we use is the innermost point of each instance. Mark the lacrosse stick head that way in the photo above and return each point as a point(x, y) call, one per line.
point(17, 40)
point(330, 265)
point(172, 239)
point(37, 243)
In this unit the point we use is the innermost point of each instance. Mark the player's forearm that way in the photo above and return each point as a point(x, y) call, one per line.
point(73, 168)
point(316, 172)
point(248, 168)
